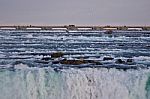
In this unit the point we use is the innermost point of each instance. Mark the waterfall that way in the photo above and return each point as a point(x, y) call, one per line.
point(86, 83)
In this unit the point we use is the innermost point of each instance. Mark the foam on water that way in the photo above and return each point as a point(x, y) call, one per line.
point(40, 83)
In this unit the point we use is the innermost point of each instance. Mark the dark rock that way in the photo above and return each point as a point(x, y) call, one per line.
point(90, 80)
point(121, 45)
point(90, 61)
point(85, 57)
point(57, 55)
point(97, 56)
point(148, 46)
point(119, 61)
point(107, 58)
point(57, 69)
point(98, 63)
point(73, 62)
point(109, 32)
point(55, 62)
point(79, 62)
point(130, 61)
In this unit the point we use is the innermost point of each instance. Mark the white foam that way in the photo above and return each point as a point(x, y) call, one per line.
point(21, 66)
point(73, 84)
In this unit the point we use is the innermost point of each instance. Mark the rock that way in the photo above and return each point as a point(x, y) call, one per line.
point(55, 62)
point(57, 55)
point(148, 46)
point(98, 63)
point(121, 45)
point(130, 61)
point(109, 32)
point(85, 57)
point(79, 62)
point(107, 58)
point(57, 69)
point(73, 62)
point(119, 61)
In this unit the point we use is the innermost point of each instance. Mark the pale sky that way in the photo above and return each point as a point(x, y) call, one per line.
point(78, 12)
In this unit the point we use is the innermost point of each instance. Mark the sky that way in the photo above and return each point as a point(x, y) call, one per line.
point(77, 12)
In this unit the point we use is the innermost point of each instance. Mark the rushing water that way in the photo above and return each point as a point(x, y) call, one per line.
point(24, 76)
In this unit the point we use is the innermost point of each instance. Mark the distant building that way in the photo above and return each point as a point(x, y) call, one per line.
point(135, 29)
point(7, 28)
point(109, 28)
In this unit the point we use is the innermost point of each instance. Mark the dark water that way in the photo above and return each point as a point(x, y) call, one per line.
point(30, 46)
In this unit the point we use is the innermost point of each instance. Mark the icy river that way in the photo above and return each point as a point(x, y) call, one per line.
point(27, 70)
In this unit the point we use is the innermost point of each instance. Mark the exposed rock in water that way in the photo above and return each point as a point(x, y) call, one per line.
point(119, 61)
point(148, 46)
point(79, 62)
point(84, 57)
point(109, 32)
point(57, 69)
point(121, 45)
point(130, 61)
point(55, 62)
point(73, 62)
point(57, 55)
point(107, 58)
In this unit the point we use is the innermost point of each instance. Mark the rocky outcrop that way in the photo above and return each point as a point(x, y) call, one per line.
point(109, 32)
point(130, 61)
point(119, 61)
point(79, 62)
point(148, 46)
point(107, 58)
point(57, 55)
point(73, 62)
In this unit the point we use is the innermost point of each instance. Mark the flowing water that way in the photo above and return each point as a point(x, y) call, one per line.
point(23, 75)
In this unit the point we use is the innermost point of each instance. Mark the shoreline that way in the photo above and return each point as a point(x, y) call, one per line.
point(76, 28)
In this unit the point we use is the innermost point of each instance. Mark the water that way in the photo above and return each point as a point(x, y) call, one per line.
point(24, 76)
